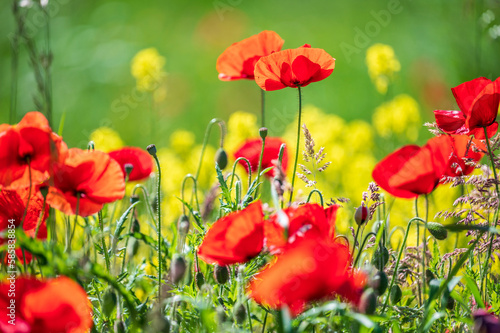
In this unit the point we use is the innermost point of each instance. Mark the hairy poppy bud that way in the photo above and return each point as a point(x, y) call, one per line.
point(221, 274)
point(183, 225)
point(134, 198)
point(361, 215)
point(380, 258)
point(108, 302)
point(200, 279)
point(177, 268)
point(221, 158)
point(239, 313)
point(263, 132)
point(368, 302)
point(128, 168)
point(437, 230)
point(395, 294)
point(151, 150)
point(379, 282)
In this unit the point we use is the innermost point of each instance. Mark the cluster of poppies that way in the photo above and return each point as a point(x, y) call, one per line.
point(412, 170)
point(37, 170)
point(309, 264)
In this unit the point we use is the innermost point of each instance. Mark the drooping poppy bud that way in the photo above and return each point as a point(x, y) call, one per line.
point(178, 268)
point(437, 230)
point(361, 215)
point(379, 282)
point(221, 158)
point(368, 302)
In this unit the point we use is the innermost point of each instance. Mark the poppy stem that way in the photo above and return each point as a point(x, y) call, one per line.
point(205, 140)
point(418, 244)
point(259, 168)
point(264, 323)
point(29, 195)
point(158, 228)
point(424, 251)
point(103, 241)
point(263, 107)
point(195, 192)
point(296, 146)
point(234, 169)
point(356, 239)
point(495, 218)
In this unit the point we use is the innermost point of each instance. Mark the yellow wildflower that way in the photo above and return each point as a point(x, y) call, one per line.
point(147, 68)
point(382, 64)
point(240, 126)
point(106, 139)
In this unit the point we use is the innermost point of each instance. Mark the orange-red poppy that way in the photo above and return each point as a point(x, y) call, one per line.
point(235, 238)
point(238, 61)
point(310, 269)
point(293, 68)
point(139, 159)
point(478, 101)
point(413, 170)
point(293, 223)
point(251, 150)
point(57, 305)
point(29, 146)
point(463, 150)
point(91, 178)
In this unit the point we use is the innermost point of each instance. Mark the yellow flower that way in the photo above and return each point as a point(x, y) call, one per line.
point(400, 117)
point(147, 68)
point(382, 64)
point(106, 139)
point(182, 141)
point(240, 126)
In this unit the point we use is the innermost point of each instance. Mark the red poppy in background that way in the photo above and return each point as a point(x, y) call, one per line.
point(293, 68)
point(238, 61)
point(57, 305)
point(305, 219)
point(478, 101)
point(463, 149)
point(413, 170)
point(251, 151)
point(235, 238)
point(310, 269)
point(140, 159)
point(29, 143)
point(92, 175)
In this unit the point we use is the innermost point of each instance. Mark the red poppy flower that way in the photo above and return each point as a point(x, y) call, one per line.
point(463, 150)
point(413, 170)
point(140, 160)
point(29, 144)
point(57, 305)
point(238, 61)
point(308, 218)
point(478, 101)
point(251, 151)
point(92, 175)
point(310, 269)
point(293, 68)
point(235, 238)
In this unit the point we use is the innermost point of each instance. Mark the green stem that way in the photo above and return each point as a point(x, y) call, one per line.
point(146, 200)
point(495, 218)
point(264, 323)
point(259, 168)
point(371, 233)
point(425, 246)
point(234, 170)
point(29, 195)
point(205, 141)
point(418, 244)
point(319, 194)
point(296, 146)
point(158, 228)
point(69, 235)
point(195, 192)
point(356, 239)
point(263, 107)
point(249, 316)
point(103, 242)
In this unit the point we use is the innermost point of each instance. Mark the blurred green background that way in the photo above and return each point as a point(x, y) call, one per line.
point(439, 43)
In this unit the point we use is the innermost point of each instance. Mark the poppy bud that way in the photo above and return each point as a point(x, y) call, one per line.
point(200, 279)
point(437, 230)
point(248, 201)
point(221, 274)
point(239, 313)
point(108, 302)
point(429, 276)
point(379, 282)
point(158, 323)
point(91, 145)
point(128, 168)
point(395, 294)
point(368, 302)
point(361, 215)
point(134, 198)
point(221, 158)
point(380, 258)
point(183, 225)
point(44, 190)
point(151, 150)
point(119, 326)
point(136, 227)
point(178, 268)
point(263, 132)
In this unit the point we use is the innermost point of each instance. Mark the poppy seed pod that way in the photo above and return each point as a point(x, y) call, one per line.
point(44, 190)
point(368, 302)
point(379, 282)
point(395, 294)
point(183, 225)
point(221, 158)
point(128, 168)
point(380, 258)
point(361, 215)
point(437, 230)
point(199, 279)
point(239, 313)
point(151, 150)
point(178, 268)
point(221, 274)
point(263, 132)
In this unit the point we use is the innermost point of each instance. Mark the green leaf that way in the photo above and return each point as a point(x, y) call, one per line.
point(472, 286)
point(223, 186)
point(435, 316)
point(121, 221)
